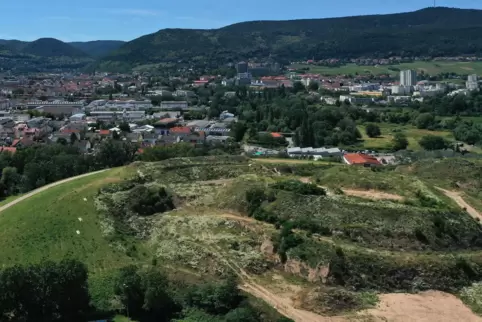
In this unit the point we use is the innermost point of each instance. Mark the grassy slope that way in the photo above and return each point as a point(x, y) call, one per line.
point(44, 226)
point(431, 67)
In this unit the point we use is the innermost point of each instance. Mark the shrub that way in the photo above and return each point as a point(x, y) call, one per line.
point(372, 130)
point(148, 201)
point(299, 187)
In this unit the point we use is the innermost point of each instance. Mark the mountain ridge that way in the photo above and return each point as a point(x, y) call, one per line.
point(428, 32)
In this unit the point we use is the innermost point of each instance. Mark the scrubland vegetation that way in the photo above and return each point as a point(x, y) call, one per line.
point(206, 220)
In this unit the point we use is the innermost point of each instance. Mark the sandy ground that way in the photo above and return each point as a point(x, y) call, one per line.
point(429, 306)
point(455, 196)
point(34, 192)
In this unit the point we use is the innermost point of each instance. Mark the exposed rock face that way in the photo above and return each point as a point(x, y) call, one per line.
point(319, 273)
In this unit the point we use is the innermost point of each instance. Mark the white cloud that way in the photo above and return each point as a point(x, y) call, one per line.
point(136, 12)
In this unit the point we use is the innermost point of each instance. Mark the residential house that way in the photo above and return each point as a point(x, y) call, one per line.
point(316, 153)
point(174, 105)
point(199, 124)
point(77, 117)
point(144, 129)
point(41, 124)
point(180, 131)
point(360, 159)
point(67, 137)
point(7, 127)
point(134, 137)
point(184, 93)
point(84, 146)
point(164, 140)
point(217, 139)
point(24, 142)
point(167, 122)
point(166, 114)
point(150, 139)
point(196, 138)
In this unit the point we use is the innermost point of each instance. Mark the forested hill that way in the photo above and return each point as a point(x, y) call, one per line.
point(427, 32)
point(97, 48)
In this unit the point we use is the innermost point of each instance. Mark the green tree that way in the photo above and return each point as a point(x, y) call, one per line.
point(298, 87)
point(73, 138)
point(425, 121)
point(399, 142)
point(124, 127)
point(314, 86)
point(10, 180)
point(433, 142)
point(372, 130)
point(239, 129)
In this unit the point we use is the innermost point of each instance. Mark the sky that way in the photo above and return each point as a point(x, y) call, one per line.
point(84, 20)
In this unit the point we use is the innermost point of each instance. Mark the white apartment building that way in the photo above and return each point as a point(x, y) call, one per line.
point(472, 82)
point(408, 77)
point(401, 90)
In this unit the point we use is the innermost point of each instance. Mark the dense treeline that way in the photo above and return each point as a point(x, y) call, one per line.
point(33, 167)
point(60, 292)
point(290, 111)
point(44, 292)
point(402, 34)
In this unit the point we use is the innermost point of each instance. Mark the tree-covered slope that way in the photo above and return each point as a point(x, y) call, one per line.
point(427, 32)
point(50, 47)
point(97, 48)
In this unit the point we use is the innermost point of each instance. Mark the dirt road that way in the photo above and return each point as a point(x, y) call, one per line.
point(34, 192)
point(455, 196)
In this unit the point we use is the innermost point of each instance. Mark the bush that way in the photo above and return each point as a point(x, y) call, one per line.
point(148, 201)
point(299, 187)
point(372, 130)
point(433, 142)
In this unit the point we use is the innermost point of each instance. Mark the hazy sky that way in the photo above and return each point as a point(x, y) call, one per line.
point(125, 20)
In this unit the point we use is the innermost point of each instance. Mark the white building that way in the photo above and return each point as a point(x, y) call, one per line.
point(472, 82)
point(356, 100)
point(111, 116)
point(401, 90)
point(408, 77)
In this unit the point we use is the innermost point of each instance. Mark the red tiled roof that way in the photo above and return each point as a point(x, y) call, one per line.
point(276, 135)
point(168, 120)
point(65, 131)
point(15, 142)
point(358, 158)
point(181, 129)
point(104, 132)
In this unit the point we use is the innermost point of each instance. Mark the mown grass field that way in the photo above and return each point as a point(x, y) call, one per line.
point(45, 226)
point(431, 67)
point(413, 134)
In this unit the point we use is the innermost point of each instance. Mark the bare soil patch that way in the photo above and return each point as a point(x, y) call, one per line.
point(431, 306)
point(456, 196)
point(372, 194)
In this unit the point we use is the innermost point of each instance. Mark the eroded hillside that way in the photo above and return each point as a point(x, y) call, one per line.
point(317, 242)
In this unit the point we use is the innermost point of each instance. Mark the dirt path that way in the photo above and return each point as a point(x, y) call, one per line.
point(368, 194)
point(372, 194)
point(34, 192)
point(431, 306)
point(455, 196)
